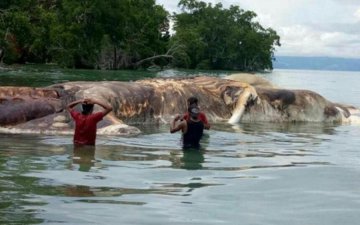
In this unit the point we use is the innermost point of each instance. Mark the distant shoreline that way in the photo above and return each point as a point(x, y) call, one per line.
point(316, 63)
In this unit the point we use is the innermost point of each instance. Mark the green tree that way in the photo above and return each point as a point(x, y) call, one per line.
point(138, 30)
point(110, 34)
point(218, 38)
point(24, 30)
point(119, 34)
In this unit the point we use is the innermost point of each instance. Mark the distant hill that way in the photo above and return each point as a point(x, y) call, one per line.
point(316, 63)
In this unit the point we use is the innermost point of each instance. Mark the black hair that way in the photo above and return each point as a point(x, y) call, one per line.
point(193, 100)
point(87, 108)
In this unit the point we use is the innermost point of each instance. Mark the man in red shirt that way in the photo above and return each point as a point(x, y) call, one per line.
point(193, 101)
point(85, 122)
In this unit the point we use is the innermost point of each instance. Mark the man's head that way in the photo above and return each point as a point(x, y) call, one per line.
point(192, 100)
point(194, 111)
point(87, 108)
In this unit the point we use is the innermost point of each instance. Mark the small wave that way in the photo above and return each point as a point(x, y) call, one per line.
point(6, 130)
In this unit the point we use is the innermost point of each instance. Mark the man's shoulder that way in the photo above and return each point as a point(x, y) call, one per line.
point(202, 114)
point(74, 113)
point(97, 115)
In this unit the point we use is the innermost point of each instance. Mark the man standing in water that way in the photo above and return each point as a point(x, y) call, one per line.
point(192, 129)
point(86, 121)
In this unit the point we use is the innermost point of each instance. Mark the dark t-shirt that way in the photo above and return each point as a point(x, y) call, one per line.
point(193, 134)
point(85, 127)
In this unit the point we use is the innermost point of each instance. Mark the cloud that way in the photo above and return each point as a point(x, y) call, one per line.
point(302, 40)
point(306, 27)
point(357, 14)
point(347, 2)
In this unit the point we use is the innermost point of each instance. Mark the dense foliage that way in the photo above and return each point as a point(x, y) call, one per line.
point(119, 34)
point(217, 38)
point(108, 34)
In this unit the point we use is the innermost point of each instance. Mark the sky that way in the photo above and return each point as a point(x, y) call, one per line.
point(328, 28)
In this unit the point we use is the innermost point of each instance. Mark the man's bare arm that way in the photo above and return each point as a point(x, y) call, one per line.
point(71, 105)
point(176, 127)
point(107, 108)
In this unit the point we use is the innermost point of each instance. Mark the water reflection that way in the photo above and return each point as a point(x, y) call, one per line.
point(298, 128)
point(192, 159)
point(45, 75)
point(84, 156)
point(16, 207)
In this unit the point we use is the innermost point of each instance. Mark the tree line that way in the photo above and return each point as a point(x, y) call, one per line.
point(131, 34)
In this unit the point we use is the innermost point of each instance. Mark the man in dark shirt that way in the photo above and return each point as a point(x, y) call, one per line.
point(192, 129)
point(193, 101)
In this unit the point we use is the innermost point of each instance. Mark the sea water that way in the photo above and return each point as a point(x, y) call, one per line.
point(250, 173)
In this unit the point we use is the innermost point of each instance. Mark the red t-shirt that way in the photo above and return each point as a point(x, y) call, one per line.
point(201, 117)
point(85, 127)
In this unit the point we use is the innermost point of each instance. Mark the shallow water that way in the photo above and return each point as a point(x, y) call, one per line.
point(262, 173)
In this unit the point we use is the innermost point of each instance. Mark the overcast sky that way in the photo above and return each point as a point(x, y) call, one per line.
point(306, 27)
